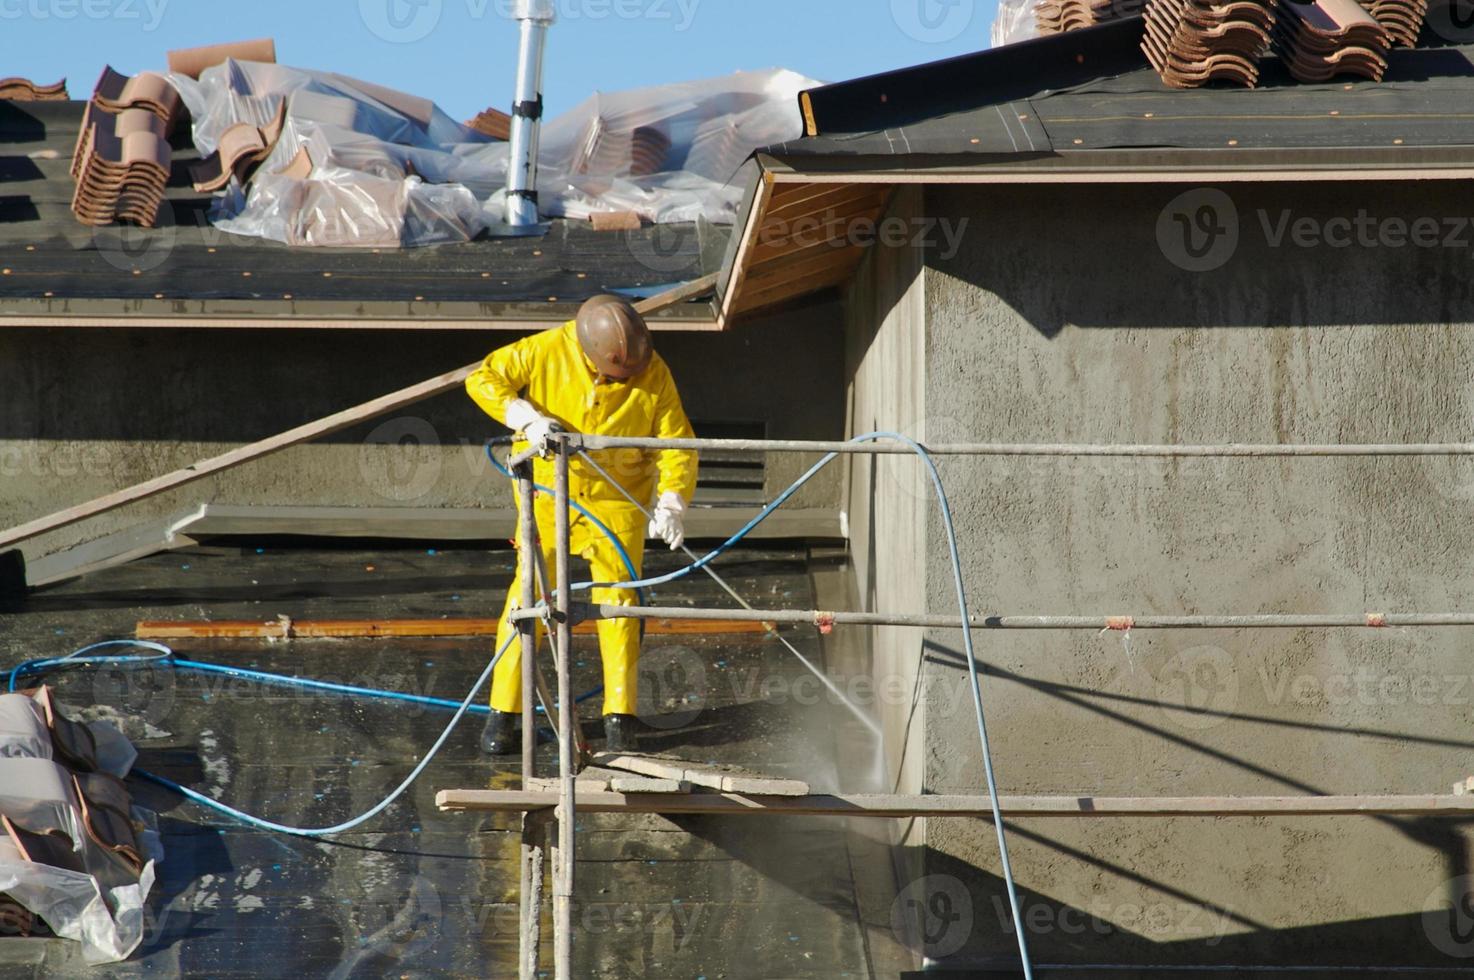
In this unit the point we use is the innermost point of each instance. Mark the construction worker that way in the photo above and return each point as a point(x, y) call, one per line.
point(599, 375)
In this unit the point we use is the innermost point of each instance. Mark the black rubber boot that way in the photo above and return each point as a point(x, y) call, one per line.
point(619, 733)
point(497, 737)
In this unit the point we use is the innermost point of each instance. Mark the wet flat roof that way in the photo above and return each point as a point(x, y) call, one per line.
point(418, 892)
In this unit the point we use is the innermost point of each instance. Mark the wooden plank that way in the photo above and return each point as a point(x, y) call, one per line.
point(821, 235)
point(337, 422)
point(722, 778)
point(893, 805)
point(647, 784)
point(615, 220)
point(306, 629)
point(843, 199)
point(742, 259)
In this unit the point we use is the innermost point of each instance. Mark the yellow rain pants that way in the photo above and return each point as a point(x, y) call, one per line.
point(550, 371)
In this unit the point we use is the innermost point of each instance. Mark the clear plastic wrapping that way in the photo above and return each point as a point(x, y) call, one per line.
point(1015, 22)
point(390, 169)
point(102, 905)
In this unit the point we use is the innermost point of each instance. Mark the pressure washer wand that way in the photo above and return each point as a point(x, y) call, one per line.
point(865, 719)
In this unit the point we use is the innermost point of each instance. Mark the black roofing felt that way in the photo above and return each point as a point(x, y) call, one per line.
point(1094, 90)
point(44, 250)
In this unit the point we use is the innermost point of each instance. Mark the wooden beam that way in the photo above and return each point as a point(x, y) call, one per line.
point(330, 425)
point(723, 779)
point(306, 629)
point(743, 256)
point(892, 805)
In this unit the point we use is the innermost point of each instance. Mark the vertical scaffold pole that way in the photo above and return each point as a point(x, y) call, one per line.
point(534, 827)
point(564, 865)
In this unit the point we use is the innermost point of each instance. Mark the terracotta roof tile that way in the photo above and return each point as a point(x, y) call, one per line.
point(193, 61)
point(25, 90)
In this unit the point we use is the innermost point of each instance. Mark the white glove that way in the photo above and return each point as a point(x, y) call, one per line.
point(669, 524)
point(534, 425)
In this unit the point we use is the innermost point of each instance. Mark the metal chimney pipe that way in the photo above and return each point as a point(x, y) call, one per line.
point(534, 18)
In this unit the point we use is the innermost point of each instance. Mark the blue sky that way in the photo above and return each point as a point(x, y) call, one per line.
point(461, 52)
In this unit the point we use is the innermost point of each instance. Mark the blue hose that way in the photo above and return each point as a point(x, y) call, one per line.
point(168, 659)
point(990, 776)
point(603, 528)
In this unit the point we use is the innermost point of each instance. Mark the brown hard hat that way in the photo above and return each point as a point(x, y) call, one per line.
point(614, 337)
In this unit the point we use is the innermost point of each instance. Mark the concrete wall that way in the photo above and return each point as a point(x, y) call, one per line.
point(83, 412)
point(1067, 315)
point(885, 497)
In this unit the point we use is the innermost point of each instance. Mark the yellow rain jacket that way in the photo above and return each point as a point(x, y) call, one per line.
point(550, 371)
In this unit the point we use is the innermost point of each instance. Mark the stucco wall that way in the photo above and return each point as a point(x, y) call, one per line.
point(1065, 318)
point(84, 412)
point(885, 495)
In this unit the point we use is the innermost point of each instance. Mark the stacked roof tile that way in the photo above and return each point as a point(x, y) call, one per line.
point(1403, 19)
point(1063, 16)
point(116, 92)
point(25, 90)
point(1325, 38)
point(1193, 42)
point(122, 160)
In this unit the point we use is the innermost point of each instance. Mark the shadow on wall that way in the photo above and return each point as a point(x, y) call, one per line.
point(242, 385)
point(959, 917)
point(1233, 255)
point(1443, 936)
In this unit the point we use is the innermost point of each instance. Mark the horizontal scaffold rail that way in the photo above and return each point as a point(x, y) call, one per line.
point(825, 620)
point(1266, 450)
point(897, 805)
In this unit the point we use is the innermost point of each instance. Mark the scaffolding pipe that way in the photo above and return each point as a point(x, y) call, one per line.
point(1269, 450)
point(825, 620)
point(563, 881)
point(533, 832)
